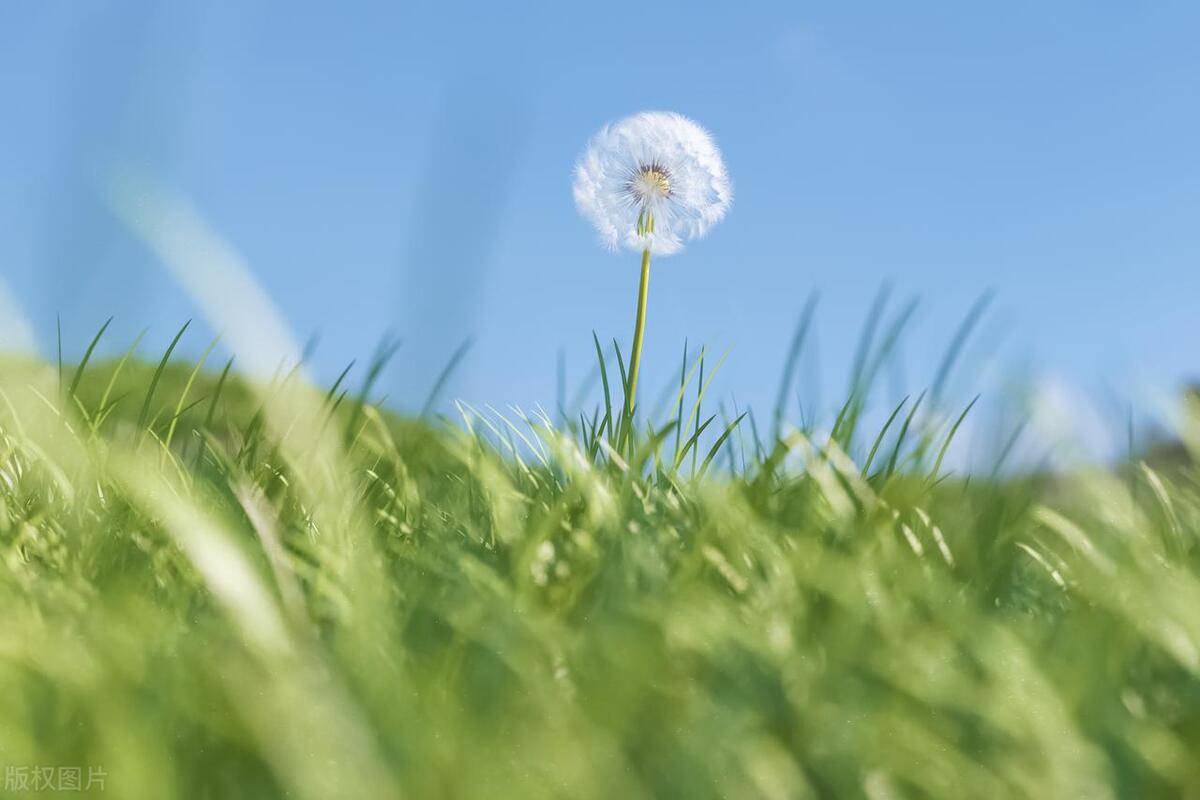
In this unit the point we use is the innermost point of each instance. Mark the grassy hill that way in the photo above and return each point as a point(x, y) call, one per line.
point(215, 588)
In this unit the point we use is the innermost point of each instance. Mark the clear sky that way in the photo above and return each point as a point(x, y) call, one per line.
point(407, 167)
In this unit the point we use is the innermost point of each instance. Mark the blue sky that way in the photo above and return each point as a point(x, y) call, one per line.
point(407, 167)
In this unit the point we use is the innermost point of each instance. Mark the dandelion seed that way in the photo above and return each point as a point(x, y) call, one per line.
point(651, 183)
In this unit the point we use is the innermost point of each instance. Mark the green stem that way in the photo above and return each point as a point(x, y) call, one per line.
point(635, 355)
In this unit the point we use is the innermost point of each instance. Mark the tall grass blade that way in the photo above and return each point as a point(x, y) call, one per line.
point(879, 438)
point(87, 355)
point(937, 464)
point(789, 364)
point(974, 314)
point(444, 376)
point(716, 447)
point(144, 414)
point(608, 415)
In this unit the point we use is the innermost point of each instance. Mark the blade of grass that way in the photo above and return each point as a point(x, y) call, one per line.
point(112, 382)
point(974, 314)
point(651, 447)
point(383, 354)
point(690, 444)
point(87, 355)
point(865, 340)
point(58, 328)
point(937, 464)
point(912, 412)
point(789, 364)
point(212, 406)
point(848, 408)
point(712, 451)
point(103, 411)
point(888, 344)
point(187, 387)
point(337, 384)
point(560, 385)
point(702, 385)
point(625, 423)
point(459, 354)
point(879, 439)
point(604, 380)
point(679, 403)
point(144, 414)
point(696, 411)
point(759, 450)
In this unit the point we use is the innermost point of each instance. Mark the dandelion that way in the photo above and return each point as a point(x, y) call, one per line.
point(650, 183)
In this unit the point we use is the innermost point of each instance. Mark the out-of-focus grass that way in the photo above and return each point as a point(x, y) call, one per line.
point(214, 588)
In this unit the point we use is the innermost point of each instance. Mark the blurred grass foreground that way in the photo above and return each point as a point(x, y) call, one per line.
point(223, 588)
point(221, 583)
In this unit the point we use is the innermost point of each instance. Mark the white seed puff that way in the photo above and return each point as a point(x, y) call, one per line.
point(653, 182)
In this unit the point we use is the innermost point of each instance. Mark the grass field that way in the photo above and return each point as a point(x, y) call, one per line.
point(220, 589)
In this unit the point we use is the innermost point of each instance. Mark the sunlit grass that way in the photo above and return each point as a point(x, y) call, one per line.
point(219, 587)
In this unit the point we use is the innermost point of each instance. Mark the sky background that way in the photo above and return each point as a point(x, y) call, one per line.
point(406, 167)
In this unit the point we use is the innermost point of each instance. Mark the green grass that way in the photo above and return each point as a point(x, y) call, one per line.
point(214, 588)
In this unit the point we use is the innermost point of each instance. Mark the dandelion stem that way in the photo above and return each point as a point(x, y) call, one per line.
point(635, 355)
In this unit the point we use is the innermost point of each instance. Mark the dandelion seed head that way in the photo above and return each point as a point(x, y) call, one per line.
point(651, 184)
point(652, 181)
